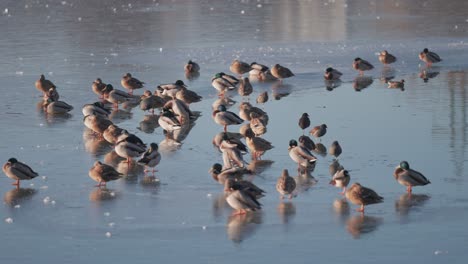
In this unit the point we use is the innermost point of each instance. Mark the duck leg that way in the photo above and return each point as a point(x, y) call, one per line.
point(17, 183)
point(361, 209)
point(344, 191)
point(409, 189)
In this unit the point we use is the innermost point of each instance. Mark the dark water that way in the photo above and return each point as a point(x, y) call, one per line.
point(61, 216)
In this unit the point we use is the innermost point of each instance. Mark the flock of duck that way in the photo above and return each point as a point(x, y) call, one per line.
point(174, 102)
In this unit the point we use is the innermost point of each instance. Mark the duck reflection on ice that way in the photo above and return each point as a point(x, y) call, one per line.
point(220, 206)
point(130, 170)
point(280, 90)
point(286, 212)
point(149, 123)
point(102, 194)
point(18, 195)
point(241, 227)
point(93, 144)
point(304, 181)
point(119, 115)
point(361, 224)
point(409, 201)
point(362, 82)
point(428, 73)
point(192, 76)
point(342, 209)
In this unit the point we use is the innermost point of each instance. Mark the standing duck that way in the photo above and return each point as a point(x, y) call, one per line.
point(281, 72)
point(335, 149)
point(150, 101)
point(285, 185)
point(96, 123)
point(429, 57)
point(341, 180)
point(319, 131)
point(126, 149)
point(239, 67)
point(98, 87)
point(362, 65)
point(131, 83)
point(302, 156)
point(171, 89)
point(386, 58)
point(360, 195)
point(168, 121)
point(332, 74)
point(222, 84)
point(56, 107)
point(151, 158)
point(304, 122)
point(97, 108)
point(103, 173)
point(245, 87)
point(188, 96)
point(18, 171)
point(257, 145)
point(116, 96)
point(111, 134)
point(226, 118)
point(243, 201)
point(409, 177)
point(43, 85)
point(191, 67)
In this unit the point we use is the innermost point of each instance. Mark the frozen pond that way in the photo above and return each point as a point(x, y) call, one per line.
point(61, 216)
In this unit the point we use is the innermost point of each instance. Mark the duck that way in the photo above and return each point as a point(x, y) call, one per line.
point(257, 145)
point(171, 89)
point(245, 87)
point(226, 118)
point(116, 96)
point(96, 123)
point(262, 97)
point(98, 87)
point(257, 124)
point(281, 72)
point(111, 133)
point(150, 101)
point(335, 149)
point(362, 65)
point(306, 142)
point(222, 84)
point(126, 149)
point(103, 173)
point(18, 171)
point(180, 109)
point(43, 85)
point(51, 94)
point(285, 185)
point(56, 107)
point(334, 167)
point(239, 67)
point(409, 177)
point(247, 186)
point(168, 121)
point(332, 74)
point(97, 108)
point(360, 195)
point(191, 67)
point(229, 140)
point(301, 156)
point(223, 100)
point(246, 109)
point(130, 83)
point(132, 138)
point(243, 201)
point(220, 174)
point(429, 57)
point(151, 158)
point(188, 96)
point(319, 131)
point(257, 69)
point(304, 122)
point(341, 180)
point(396, 84)
point(386, 58)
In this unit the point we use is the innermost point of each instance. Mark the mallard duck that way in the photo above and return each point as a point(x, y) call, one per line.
point(223, 100)
point(229, 136)
point(116, 96)
point(319, 131)
point(257, 70)
point(230, 78)
point(222, 84)
point(285, 185)
point(301, 156)
point(245, 87)
point(246, 109)
point(332, 74)
point(362, 65)
point(188, 96)
point(304, 122)
point(257, 145)
point(96, 123)
point(52, 94)
point(103, 173)
point(429, 57)
point(232, 157)
point(168, 121)
point(226, 118)
point(149, 101)
point(341, 180)
point(409, 177)
point(98, 87)
point(151, 158)
point(243, 201)
point(396, 84)
point(386, 58)
point(97, 108)
point(221, 175)
point(130, 83)
point(171, 89)
point(360, 195)
point(262, 97)
point(335, 149)
point(18, 171)
point(56, 107)
point(191, 67)
point(111, 134)
point(231, 140)
point(180, 109)
point(232, 184)
point(128, 150)
point(239, 67)
point(281, 72)
point(132, 138)
point(306, 142)
point(267, 76)
point(257, 124)
point(43, 85)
